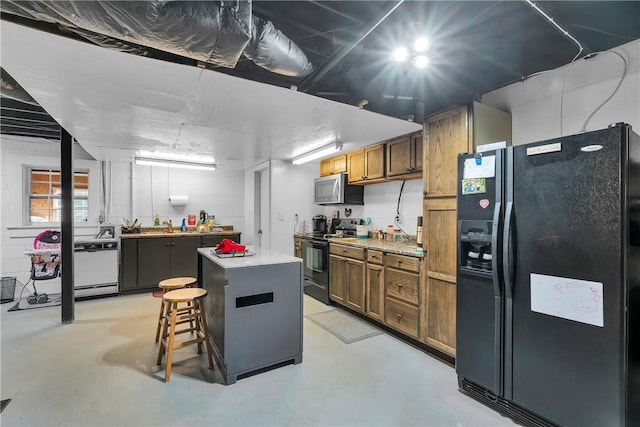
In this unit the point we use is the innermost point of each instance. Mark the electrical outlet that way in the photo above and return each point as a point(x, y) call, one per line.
point(296, 217)
point(398, 219)
point(280, 216)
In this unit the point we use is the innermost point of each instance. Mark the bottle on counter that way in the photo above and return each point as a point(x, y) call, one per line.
point(419, 233)
point(183, 226)
point(389, 233)
point(156, 220)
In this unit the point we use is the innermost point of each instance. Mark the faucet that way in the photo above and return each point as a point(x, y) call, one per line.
point(168, 224)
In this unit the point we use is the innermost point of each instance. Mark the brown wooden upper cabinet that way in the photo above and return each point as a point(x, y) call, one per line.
point(366, 165)
point(455, 131)
point(404, 157)
point(333, 165)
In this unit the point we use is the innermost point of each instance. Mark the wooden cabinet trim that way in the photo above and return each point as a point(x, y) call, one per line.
point(443, 277)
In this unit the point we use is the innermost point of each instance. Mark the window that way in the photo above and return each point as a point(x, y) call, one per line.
point(44, 203)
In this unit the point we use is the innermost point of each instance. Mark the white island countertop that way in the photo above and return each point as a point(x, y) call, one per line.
point(262, 257)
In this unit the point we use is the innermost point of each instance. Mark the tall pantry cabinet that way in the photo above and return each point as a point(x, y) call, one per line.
point(446, 134)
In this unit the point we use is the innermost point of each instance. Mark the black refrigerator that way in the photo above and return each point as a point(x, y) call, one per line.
point(548, 279)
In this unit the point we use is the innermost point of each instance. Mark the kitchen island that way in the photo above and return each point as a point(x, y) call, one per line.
point(253, 310)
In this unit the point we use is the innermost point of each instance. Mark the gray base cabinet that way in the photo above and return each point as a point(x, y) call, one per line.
point(146, 261)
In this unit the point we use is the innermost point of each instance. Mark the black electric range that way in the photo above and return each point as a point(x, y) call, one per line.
point(315, 257)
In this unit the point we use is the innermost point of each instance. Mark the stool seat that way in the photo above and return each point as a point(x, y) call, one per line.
point(178, 281)
point(184, 295)
point(168, 285)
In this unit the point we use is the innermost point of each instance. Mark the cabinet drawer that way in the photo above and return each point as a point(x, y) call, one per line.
point(346, 251)
point(402, 285)
point(402, 316)
point(404, 262)
point(375, 257)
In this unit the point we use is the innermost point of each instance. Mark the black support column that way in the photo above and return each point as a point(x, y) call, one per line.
point(66, 225)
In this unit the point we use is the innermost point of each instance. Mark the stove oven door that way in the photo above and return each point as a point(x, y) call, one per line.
point(315, 257)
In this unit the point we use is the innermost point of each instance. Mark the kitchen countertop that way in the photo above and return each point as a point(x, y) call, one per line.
point(155, 234)
point(261, 257)
point(401, 248)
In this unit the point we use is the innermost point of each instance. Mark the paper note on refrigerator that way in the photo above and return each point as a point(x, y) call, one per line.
point(486, 168)
point(572, 299)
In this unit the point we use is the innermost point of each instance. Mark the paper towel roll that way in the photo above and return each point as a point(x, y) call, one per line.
point(178, 200)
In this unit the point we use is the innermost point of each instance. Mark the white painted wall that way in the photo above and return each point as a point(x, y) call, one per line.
point(15, 153)
point(219, 193)
point(536, 103)
point(291, 194)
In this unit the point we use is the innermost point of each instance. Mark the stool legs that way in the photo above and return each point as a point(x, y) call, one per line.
point(197, 323)
point(160, 320)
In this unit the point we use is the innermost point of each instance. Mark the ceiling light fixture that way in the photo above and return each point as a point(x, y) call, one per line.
point(417, 54)
point(317, 153)
point(189, 157)
point(175, 164)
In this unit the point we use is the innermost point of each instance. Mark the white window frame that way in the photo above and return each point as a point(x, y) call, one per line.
point(28, 196)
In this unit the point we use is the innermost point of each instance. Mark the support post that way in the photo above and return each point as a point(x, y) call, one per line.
point(66, 224)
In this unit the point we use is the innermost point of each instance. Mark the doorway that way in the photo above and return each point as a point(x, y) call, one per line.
point(262, 206)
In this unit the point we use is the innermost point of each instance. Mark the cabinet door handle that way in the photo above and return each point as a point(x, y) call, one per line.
point(399, 317)
point(173, 244)
point(399, 285)
point(166, 244)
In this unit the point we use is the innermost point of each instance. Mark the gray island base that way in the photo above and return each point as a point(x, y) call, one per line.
point(253, 310)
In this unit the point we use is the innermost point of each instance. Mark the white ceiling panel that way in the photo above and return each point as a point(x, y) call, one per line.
point(115, 103)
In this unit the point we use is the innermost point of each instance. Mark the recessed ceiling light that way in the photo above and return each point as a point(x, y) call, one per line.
point(421, 61)
point(421, 44)
point(400, 54)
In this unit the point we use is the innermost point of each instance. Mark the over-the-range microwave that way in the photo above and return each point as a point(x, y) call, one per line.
point(335, 190)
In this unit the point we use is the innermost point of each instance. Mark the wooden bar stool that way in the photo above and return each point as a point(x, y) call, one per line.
point(194, 316)
point(168, 285)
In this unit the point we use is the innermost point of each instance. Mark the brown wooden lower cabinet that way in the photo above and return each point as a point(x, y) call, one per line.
point(439, 317)
point(347, 276)
point(374, 286)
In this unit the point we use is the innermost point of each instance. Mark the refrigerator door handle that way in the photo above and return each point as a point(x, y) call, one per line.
point(497, 291)
point(507, 252)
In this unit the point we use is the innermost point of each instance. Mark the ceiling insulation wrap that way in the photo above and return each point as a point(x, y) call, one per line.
point(213, 32)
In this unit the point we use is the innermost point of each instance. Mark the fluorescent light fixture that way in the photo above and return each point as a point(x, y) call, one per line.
point(189, 158)
point(175, 164)
point(317, 153)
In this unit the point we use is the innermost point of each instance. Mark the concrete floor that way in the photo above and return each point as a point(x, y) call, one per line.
point(100, 371)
